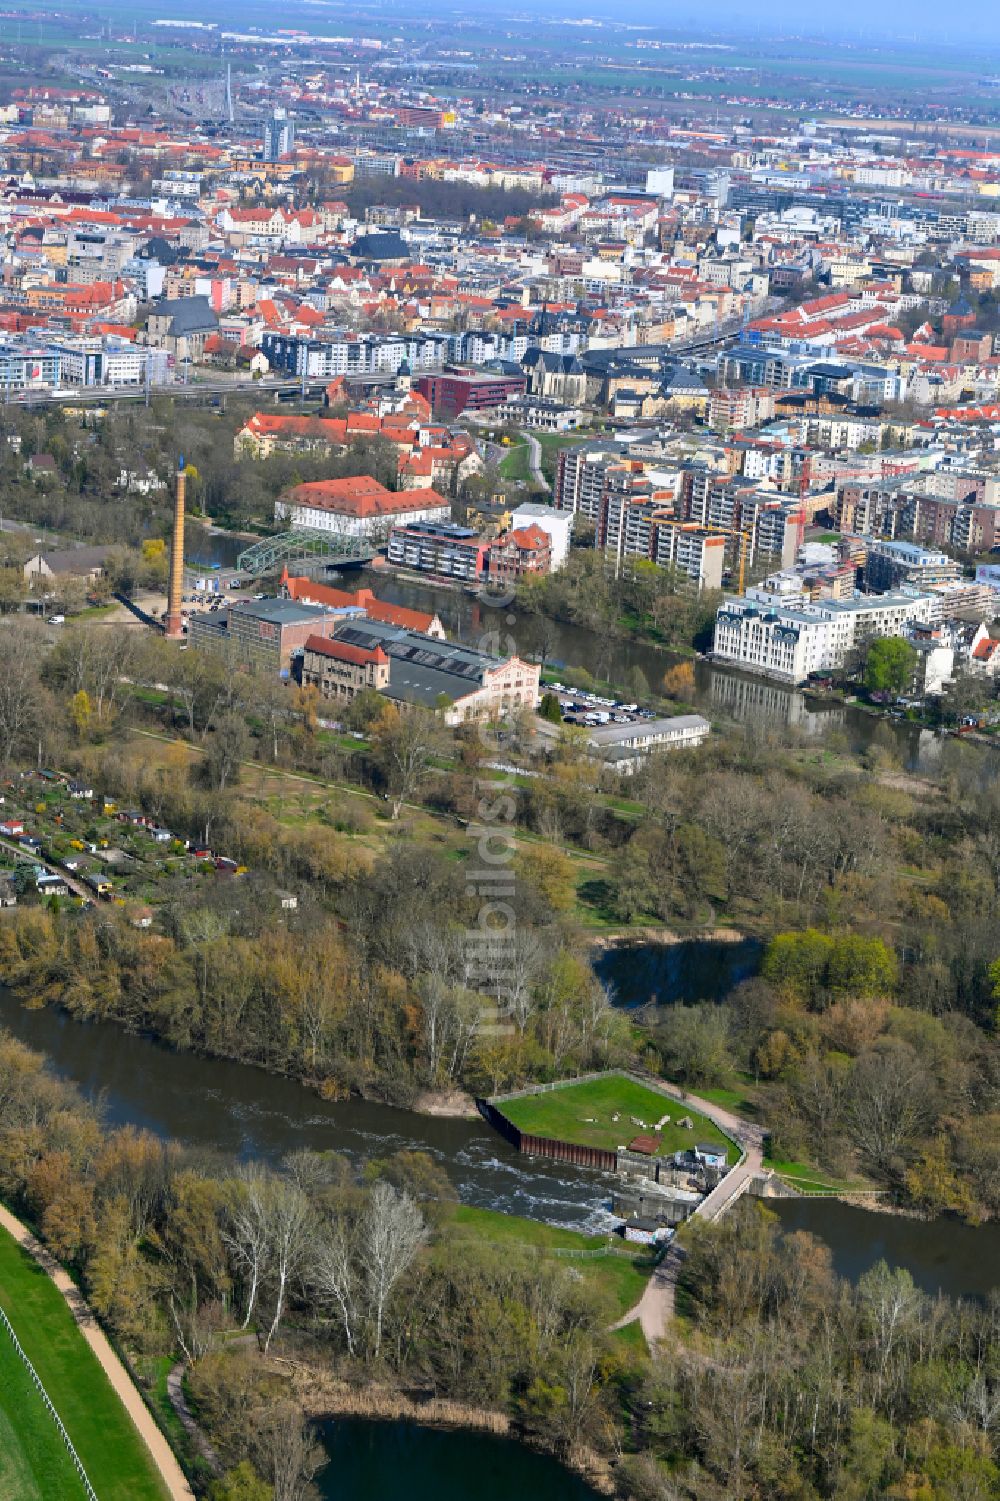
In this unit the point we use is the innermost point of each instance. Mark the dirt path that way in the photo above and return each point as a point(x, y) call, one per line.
point(655, 1309)
point(162, 1454)
point(31, 857)
point(178, 1401)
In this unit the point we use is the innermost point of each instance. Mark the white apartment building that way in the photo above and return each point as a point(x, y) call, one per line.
point(789, 642)
point(557, 526)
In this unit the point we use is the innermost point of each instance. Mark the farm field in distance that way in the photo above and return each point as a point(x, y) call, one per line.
point(584, 1114)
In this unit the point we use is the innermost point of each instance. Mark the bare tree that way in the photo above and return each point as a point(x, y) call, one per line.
point(285, 1451)
point(20, 694)
point(404, 746)
point(226, 750)
point(246, 1232)
point(334, 1275)
point(887, 1104)
point(289, 1217)
point(392, 1233)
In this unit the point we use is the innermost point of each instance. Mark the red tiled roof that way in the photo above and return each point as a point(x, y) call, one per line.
point(343, 651)
point(360, 496)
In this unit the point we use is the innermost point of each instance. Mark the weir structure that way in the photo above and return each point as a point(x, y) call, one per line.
point(175, 592)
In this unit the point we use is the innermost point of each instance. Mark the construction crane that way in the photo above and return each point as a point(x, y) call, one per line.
point(743, 558)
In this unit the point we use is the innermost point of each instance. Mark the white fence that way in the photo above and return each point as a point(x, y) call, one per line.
point(89, 1491)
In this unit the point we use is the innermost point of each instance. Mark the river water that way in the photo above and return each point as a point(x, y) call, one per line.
point(233, 1108)
point(378, 1461)
point(941, 1255)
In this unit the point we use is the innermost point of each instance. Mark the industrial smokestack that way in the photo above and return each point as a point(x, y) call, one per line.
point(175, 594)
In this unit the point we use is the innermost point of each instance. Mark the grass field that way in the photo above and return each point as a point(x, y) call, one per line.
point(809, 1180)
point(583, 1113)
point(113, 1454)
point(620, 1276)
point(34, 1463)
point(514, 465)
point(358, 816)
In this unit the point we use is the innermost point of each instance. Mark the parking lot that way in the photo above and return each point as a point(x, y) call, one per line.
point(590, 709)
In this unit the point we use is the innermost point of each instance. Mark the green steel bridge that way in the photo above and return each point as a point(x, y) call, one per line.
point(301, 546)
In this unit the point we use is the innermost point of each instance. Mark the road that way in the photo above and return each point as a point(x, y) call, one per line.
point(31, 857)
point(535, 461)
point(655, 1309)
point(192, 391)
point(162, 1455)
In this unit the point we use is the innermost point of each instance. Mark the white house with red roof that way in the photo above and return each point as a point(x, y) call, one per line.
point(357, 506)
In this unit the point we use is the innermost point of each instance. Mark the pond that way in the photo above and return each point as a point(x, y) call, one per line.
point(697, 969)
point(384, 1461)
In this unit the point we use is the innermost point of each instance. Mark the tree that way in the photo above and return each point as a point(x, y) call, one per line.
point(283, 1445)
point(404, 746)
point(550, 872)
point(886, 1105)
point(240, 1484)
point(20, 693)
point(859, 965)
point(890, 665)
point(81, 712)
point(550, 708)
point(13, 589)
point(247, 1232)
point(289, 1218)
point(391, 1235)
point(333, 1274)
point(226, 749)
point(695, 1044)
point(678, 681)
point(966, 696)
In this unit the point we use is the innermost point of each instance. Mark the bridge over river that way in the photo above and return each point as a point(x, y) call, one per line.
point(655, 1308)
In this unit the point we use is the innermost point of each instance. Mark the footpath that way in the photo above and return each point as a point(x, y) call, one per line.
point(127, 1392)
point(655, 1309)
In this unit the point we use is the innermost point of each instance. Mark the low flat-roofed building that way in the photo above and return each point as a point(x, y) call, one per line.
point(624, 747)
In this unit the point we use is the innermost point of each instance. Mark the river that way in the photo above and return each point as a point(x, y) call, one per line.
point(380, 1461)
point(233, 1108)
point(237, 1109)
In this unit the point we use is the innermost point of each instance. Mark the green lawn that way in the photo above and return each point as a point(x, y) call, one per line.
point(113, 1454)
point(631, 1340)
point(34, 1463)
point(737, 1100)
point(619, 1274)
point(807, 1179)
point(514, 465)
point(584, 1113)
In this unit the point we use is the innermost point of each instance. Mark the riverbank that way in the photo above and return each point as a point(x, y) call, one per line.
point(323, 1396)
point(453, 1104)
point(625, 937)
